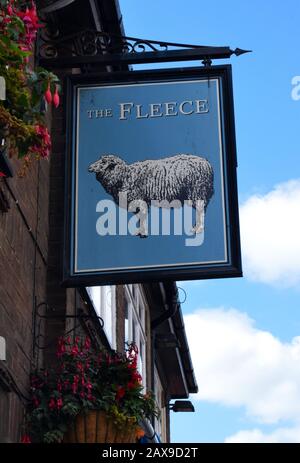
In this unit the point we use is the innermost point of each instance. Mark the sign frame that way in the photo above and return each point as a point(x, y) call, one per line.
point(232, 267)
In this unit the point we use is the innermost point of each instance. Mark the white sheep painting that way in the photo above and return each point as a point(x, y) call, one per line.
point(183, 178)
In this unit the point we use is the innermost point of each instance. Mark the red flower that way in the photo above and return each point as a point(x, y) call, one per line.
point(120, 393)
point(131, 366)
point(25, 439)
point(131, 385)
point(44, 146)
point(75, 384)
point(89, 386)
point(87, 343)
point(136, 377)
point(31, 23)
point(35, 402)
point(61, 347)
point(2, 174)
point(75, 350)
point(10, 10)
point(80, 367)
point(52, 404)
point(59, 404)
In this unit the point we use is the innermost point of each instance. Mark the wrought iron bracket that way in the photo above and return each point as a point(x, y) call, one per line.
point(51, 313)
point(90, 47)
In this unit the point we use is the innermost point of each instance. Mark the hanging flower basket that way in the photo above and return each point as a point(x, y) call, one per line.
point(28, 90)
point(95, 426)
point(88, 396)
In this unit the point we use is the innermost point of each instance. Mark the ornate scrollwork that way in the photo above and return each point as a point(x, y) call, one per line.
point(92, 44)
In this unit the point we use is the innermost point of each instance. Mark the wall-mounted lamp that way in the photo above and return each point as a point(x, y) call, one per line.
point(182, 406)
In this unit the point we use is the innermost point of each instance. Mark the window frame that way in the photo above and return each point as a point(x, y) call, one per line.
point(102, 310)
point(134, 300)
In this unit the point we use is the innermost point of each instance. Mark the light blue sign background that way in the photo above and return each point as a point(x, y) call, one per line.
point(139, 139)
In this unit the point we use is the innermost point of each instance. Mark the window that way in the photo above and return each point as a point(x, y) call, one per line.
point(103, 299)
point(134, 327)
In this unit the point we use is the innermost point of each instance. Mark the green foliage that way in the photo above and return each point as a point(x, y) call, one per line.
point(22, 121)
point(83, 379)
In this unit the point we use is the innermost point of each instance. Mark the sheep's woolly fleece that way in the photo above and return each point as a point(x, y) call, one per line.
point(181, 177)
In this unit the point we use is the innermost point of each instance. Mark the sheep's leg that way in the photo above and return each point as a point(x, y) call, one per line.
point(143, 232)
point(199, 225)
point(140, 211)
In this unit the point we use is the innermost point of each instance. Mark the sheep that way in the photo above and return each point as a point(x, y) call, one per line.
point(183, 177)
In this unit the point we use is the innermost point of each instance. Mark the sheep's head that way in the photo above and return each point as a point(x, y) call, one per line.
point(110, 171)
point(105, 164)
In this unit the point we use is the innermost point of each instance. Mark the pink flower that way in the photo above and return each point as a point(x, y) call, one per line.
point(79, 367)
point(59, 404)
point(87, 343)
point(43, 149)
point(75, 350)
point(52, 404)
point(75, 384)
point(89, 385)
point(61, 342)
point(56, 97)
point(9, 10)
point(31, 23)
point(48, 94)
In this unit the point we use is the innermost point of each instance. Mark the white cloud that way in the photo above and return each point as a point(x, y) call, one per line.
point(237, 364)
point(280, 435)
point(270, 235)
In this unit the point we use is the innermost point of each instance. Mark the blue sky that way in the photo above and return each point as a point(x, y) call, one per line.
point(243, 333)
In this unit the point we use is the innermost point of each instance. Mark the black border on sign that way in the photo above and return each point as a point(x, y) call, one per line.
point(233, 267)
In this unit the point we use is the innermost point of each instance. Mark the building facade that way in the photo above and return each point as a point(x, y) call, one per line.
point(34, 307)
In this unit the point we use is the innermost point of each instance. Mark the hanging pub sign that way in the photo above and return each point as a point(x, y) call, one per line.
point(151, 170)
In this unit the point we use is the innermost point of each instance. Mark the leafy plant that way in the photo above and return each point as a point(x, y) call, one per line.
point(82, 380)
point(22, 118)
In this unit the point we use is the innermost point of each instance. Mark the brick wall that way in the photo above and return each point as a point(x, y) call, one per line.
point(23, 261)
